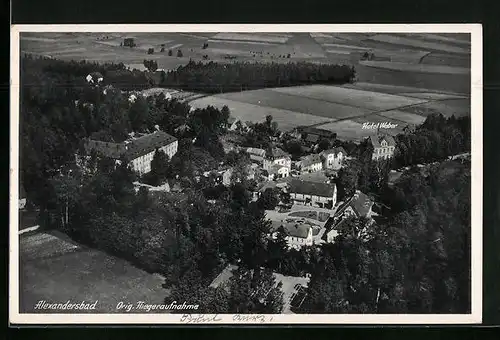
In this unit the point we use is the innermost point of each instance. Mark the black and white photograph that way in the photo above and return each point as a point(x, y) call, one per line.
point(246, 174)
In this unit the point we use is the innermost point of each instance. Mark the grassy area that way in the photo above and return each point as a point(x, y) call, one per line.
point(314, 215)
point(55, 269)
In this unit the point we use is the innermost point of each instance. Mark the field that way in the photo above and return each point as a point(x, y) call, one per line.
point(286, 119)
point(55, 269)
point(422, 68)
point(410, 75)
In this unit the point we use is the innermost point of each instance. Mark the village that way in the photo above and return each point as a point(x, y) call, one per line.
point(285, 195)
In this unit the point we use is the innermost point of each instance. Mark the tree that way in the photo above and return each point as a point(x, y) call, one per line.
point(285, 197)
point(151, 65)
point(179, 54)
point(324, 144)
point(268, 200)
point(159, 167)
point(347, 181)
point(170, 53)
point(151, 50)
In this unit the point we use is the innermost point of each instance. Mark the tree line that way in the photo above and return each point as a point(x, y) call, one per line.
point(213, 77)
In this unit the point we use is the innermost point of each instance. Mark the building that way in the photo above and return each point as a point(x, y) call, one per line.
point(333, 158)
point(293, 287)
point(256, 155)
point(228, 174)
point(236, 124)
point(276, 156)
point(323, 195)
point(360, 205)
point(311, 163)
point(276, 171)
point(138, 151)
point(94, 78)
point(297, 235)
point(383, 146)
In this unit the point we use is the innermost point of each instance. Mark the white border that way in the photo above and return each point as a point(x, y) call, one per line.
point(476, 191)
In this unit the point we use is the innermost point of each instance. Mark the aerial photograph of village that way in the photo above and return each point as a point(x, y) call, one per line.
point(246, 173)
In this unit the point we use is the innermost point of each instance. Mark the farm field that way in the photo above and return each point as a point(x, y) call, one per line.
point(418, 43)
point(402, 116)
point(457, 107)
point(350, 97)
point(286, 119)
point(423, 68)
point(347, 130)
point(54, 268)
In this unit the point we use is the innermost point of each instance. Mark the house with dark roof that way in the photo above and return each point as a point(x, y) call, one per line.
point(333, 158)
point(383, 146)
point(312, 134)
point(310, 163)
point(360, 205)
point(256, 155)
point(297, 235)
point(139, 152)
point(323, 195)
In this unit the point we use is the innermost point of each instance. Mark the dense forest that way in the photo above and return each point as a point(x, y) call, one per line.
point(416, 262)
point(215, 77)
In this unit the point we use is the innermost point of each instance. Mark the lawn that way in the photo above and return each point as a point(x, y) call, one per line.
point(287, 120)
point(55, 269)
point(349, 97)
point(314, 215)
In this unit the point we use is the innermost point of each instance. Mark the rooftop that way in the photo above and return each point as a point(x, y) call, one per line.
point(334, 151)
point(276, 153)
point(131, 149)
point(310, 160)
point(360, 203)
point(298, 186)
point(376, 140)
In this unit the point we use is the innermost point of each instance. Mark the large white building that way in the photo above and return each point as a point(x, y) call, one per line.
point(323, 195)
point(383, 146)
point(139, 152)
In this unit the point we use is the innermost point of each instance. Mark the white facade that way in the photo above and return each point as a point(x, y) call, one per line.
point(284, 161)
point(334, 161)
point(142, 164)
point(299, 242)
point(314, 167)
point(383, 152)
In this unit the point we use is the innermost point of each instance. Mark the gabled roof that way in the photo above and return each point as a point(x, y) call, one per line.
point(377, 140)
point(360, 203)
point(312, 138)
point(334, 151)
point(256, 152)
point(131, 149)
point(275, 153)
point(310, 160)
point(298, 186)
